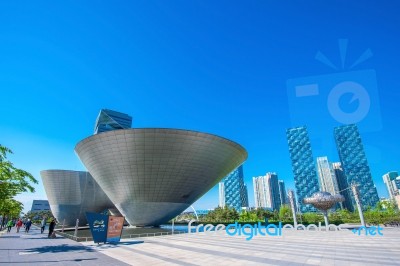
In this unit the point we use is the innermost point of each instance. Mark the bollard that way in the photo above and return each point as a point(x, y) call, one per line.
point(76, 228)
point(63, 226)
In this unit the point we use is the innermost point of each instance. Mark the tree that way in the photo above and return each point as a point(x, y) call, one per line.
point(10, 208)
point(285, 213)
point(13, 180)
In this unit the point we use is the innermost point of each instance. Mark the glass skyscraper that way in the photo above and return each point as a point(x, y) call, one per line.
point(266, 191)
point(355, 164)
point(343, 186)
point(233, 191)
point(282, 192)
point(303, 167)
point(111, 120)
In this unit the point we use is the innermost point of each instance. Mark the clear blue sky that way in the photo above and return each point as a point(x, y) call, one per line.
point(222, 68)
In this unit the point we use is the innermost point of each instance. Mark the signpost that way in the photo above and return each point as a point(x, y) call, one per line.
point(114, 229)
point(105, 228)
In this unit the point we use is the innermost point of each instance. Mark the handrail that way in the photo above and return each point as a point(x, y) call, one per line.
point(89, 238)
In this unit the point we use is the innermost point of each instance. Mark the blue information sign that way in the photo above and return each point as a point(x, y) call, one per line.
point(98, 224)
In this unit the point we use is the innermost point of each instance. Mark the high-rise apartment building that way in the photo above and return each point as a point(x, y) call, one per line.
point(266, 191)
point(303, 167)
point(354, 163)
point(233, 191)
point(327, 177)
point(111, 120)
point(390, 181)
point(343, 186)
point(282, 192)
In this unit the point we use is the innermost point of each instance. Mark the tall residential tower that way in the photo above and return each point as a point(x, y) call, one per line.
point(392, 186)
point(354, 163)
point(233, 191)
point(266, 191)
point(303, 167)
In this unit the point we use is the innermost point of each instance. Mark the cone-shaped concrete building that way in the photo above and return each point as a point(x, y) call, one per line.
point(73, 193)
point(152, 175)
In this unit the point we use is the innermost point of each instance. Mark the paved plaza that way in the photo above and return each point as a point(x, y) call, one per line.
point(35, 248)
point(292, 248)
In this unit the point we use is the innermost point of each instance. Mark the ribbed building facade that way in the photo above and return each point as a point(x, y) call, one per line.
point(73, 193)
point(303, 167)
point(354, 163)
point(154, 174)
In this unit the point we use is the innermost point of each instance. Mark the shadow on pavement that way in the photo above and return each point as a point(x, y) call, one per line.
point(60, 248)
point(50, 261)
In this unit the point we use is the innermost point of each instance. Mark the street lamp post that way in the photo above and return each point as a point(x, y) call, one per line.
point(354, 188)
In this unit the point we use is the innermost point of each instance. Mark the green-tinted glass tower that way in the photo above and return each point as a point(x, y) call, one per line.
point(355, 165)
point(303, 167)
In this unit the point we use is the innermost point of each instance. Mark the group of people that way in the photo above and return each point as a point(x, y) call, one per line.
point(18, 224)
point(28, 223)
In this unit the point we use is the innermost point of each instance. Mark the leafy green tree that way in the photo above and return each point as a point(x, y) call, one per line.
point(312, 217)
point(248, 217)
point(10, 209)
point(285, 213)
point(13, 180)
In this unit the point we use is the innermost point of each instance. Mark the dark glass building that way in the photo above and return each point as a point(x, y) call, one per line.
point(303, 167)
point(282, 192)
point(343, 186)
point(111, 120)
point(354, 163)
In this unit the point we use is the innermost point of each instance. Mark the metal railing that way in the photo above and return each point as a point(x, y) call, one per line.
point(89, 238)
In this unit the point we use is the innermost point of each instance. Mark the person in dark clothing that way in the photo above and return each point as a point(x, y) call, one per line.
point(28, 226)
point(52, 225)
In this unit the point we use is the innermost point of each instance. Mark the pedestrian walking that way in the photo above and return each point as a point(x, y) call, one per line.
point(52, 225)
point(19, 225)
point(42, 225)
point(9, 225)
point(28, 225)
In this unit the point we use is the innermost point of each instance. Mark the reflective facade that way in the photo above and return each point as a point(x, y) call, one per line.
point(303, 167)
point(40, 205)
point(343, 186)
point(266, 191)
point(73, 193)
point(282, 192)
point(355, 164)
point(111, 120)
point(233, 191)
point(152, 174)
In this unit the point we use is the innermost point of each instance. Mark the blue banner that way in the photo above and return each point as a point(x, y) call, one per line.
point(98, 224)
